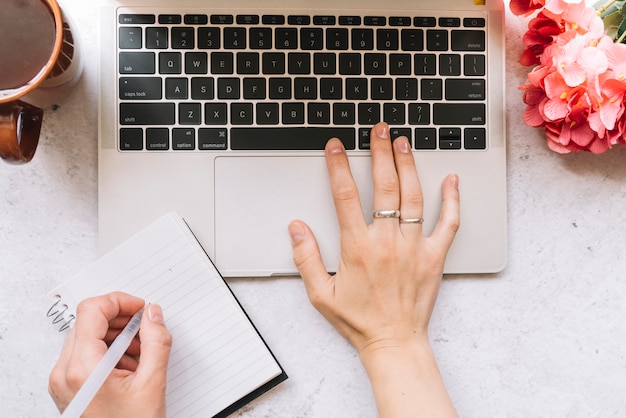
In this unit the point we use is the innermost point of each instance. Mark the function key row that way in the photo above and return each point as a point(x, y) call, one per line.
point(299, 20)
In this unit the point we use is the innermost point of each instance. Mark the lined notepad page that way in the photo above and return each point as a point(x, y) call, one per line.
point(217, 355)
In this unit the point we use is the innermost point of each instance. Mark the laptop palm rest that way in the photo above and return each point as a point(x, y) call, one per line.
point(264, 194)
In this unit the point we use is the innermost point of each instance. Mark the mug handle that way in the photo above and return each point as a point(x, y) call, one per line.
point(20, 125)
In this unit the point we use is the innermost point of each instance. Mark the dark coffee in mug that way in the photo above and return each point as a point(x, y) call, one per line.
point(27, 41)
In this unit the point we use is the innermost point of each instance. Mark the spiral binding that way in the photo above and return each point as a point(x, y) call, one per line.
point(58, 314)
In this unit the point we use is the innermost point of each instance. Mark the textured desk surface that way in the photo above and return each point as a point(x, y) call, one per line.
point(544, 338)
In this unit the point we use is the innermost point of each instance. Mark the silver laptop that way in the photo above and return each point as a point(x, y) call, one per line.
point(220, 111)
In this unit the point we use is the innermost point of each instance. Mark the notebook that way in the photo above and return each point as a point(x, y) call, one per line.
point(220, 112)
point(219, 361)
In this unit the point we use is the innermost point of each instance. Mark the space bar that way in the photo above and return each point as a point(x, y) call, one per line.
point(288, 138)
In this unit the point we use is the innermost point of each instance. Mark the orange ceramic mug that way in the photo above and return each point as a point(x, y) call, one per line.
point(39, 64)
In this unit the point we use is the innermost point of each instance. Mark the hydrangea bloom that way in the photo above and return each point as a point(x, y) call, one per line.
point(576, 91)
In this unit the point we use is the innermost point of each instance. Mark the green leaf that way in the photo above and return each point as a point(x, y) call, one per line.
point(621, 30)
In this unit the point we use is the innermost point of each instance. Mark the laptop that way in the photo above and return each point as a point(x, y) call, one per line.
point(220, 111)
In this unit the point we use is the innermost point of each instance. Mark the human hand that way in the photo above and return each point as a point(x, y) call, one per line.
point(136, 387)
point(383, 293)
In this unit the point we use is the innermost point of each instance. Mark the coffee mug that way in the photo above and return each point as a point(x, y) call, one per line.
point(39, 65)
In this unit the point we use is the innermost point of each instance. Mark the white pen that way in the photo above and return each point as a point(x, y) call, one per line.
point(103, 369)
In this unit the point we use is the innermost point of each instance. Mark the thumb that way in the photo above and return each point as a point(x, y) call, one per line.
point(156, 344)
point(308, 260)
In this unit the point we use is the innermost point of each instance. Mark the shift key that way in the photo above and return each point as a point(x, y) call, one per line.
point(459, 114)
point(147, 113)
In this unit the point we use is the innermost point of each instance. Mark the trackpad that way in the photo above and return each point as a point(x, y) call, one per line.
point(257, 197)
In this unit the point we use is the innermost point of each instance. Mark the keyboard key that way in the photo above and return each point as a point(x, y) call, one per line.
point(140, 88)
point(475, 138)
point(215, 113)
point(183, 139)
point(273, 63)
point(468, 40)
point(157, 139)
point(293, 113)
point(425, 138)
point(364, 138)
point(286, 38)
point(369, 113)
point(375, 64)
point(289, 138)
point(299, 63)
point(449, 22)
point(349, 20)
point(330, 89)
point(324, 20)
point(425, 64)
point(235, 38)
point(212, 139)
point(248, 63)
point(349, 64)
point(449, 65)
point(196, 19)
point(196, 63)
point(189, 113)
point(228, 88)
point(176, 88)
point(170, 63)
point(400, 21)
point(156, 38)
point(374, 21)
point(382, 89)
point(419, 114)
point(136, 19)
point(437, 40)
point(280, 88)
point(449, 138)
point(273, 20)
point(362, 39)
point(406, 89)
point(356, 89)
point(344, 113)
point(318, 113)
point(254, 88)
point(203, 88)
point(137, 63)
point(398, 132)
point(432, 88)
point(183, 38)
point(299, 20)
point(324, 63)
point(170, 19)
point(130, 37)
point(412, 40)
point(459, 113)
point(400, 64)
point(222, 19)
point(387, 40)
point(247, 19)
point(393, 113)
point(305, 88)
point(311, 38)
point(260, 38)
point(336, 39)
point(473, 65)
point(474, 22)
point(209, 38)
point(465, 89)
point(159, 114)
point(241, 114)
point(267, 113)
point(222, 63)
point(424, 22)
point(131, 139)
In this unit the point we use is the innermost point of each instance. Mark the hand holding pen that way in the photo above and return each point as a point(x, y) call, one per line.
point(134, 385)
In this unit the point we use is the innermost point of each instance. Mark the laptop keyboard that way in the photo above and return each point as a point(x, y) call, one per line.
point(200, 82)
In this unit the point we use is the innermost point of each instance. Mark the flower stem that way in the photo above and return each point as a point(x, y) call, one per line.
point(621, 38)
point(605, 6)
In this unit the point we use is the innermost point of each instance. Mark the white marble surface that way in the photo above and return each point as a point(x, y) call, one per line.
point(544, 338)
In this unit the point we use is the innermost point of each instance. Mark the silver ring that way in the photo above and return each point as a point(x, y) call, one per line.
point(412, 221)
point(386, 214)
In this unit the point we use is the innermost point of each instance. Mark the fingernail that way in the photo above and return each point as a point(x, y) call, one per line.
point(382, 130)
point(454, 180)
point(155, 313)
point(296, 231)
point(403, 145)
point(334, 147)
